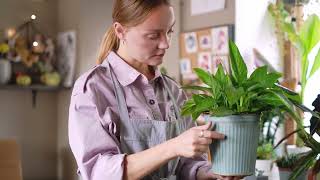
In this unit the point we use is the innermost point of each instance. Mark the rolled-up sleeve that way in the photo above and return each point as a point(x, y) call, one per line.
point(95, 148)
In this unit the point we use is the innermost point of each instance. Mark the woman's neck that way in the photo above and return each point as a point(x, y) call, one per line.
point(145, 69)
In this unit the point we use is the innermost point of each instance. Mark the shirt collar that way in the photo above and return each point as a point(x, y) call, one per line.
point(125, 73)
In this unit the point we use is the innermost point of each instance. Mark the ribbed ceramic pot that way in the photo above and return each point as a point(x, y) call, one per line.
point(236, 155)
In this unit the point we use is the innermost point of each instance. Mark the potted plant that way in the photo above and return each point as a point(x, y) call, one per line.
point(287, 164)
point(234, 103)
point(305, 40)
point(306, 159)
point(265, 156)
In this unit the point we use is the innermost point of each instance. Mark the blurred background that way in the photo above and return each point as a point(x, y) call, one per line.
point(47, 44)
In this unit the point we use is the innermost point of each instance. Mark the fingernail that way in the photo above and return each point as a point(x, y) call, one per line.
point(210, 123)
point(213, 126)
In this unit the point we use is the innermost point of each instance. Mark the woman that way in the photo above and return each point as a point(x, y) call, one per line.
point(124, 120)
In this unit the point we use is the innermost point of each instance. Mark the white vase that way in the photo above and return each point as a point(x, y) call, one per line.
point(5, 71)
point(265, 166)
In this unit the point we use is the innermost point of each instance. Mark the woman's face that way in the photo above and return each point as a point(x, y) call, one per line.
point(148, 41)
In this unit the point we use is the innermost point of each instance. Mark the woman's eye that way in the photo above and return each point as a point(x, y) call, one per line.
point(170, 31)
point(153, 36)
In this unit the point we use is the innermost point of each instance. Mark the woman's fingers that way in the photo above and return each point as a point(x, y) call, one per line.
point(232, 177)
point(217, 176)
point(213, 135)
point(204, 141)
point(202, 148)
point(207, 126)
point(205, 131)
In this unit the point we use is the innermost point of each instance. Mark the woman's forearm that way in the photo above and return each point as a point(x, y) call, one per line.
point(143, 163)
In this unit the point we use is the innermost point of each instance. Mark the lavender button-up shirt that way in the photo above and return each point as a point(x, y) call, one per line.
point(94, 118)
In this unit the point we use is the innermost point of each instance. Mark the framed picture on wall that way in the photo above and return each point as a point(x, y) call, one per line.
point(205, 42)
point(191, 43)
point(205, 61)
point(223, 60)
point(185, 66)
point(204, 48)
point(220, 38)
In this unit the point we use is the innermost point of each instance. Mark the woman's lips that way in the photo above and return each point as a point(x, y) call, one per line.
point(159, 55)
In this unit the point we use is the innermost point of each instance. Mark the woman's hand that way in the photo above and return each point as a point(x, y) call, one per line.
point(195, 141)
point(204, 174)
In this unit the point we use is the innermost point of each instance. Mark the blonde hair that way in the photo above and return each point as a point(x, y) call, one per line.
point(128, 13)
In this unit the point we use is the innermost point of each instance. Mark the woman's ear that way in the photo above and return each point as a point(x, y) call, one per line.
point(119, 30)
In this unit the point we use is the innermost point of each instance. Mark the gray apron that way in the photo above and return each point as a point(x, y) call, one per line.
point(137, 135)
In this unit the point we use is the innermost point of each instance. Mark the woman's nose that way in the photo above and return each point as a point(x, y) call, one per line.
point(164, 42)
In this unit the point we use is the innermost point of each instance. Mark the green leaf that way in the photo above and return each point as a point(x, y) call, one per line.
point(289, 29)
point(203, 75)
point(221, 111)
point(294, 98)
point(259, 74)
point(205, 104)
point(265, 151)
point(270, 99)
point(309, 33)
point(198, 88)
point(272, 78)
point(309, 36)
point(262, 78)
point(304, 164)
point(195, 115)
point(198, 98)
point(238, 67)
point(232, 96)
point(316, 64)
point(304, 67)
point(188, 108)
point(215, 87)
point(278, 99)
point(306, 109)
point(220, 75)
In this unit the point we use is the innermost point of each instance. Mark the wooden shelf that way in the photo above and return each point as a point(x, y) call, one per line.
point(34, 89)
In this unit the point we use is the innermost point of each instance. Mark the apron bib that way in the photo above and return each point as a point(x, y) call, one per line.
point(137, 134)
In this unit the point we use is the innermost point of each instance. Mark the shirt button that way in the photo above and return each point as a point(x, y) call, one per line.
point(151, 101)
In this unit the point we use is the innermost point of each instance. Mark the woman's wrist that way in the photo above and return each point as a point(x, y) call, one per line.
point(171, 147)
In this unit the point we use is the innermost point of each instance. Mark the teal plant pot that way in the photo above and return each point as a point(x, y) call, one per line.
point(236, 155)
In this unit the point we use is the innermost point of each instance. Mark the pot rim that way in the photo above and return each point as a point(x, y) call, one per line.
point(232, 118)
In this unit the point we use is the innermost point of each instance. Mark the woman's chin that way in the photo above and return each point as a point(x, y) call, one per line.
point(155, 61)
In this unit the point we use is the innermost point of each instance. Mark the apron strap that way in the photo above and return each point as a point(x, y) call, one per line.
point(175, 105)
point(122, 105)
point(178, 117)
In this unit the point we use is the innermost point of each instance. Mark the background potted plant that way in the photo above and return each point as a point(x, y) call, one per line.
point(287, 164)
point(234, 103)
point(305, 40)
point(310, 158)
point(265, 155)
point(270, 122)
